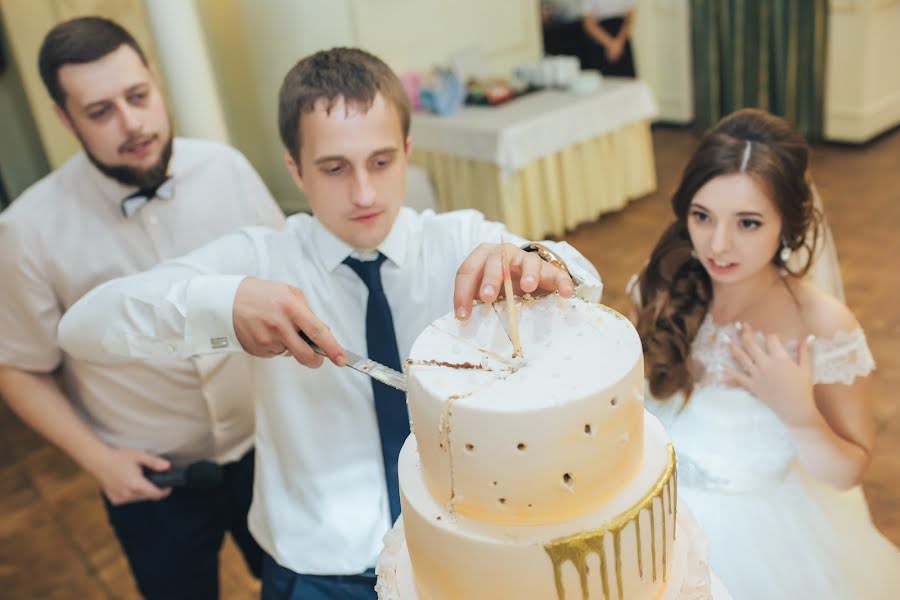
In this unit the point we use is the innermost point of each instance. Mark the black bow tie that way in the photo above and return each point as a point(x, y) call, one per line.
point(132, 203)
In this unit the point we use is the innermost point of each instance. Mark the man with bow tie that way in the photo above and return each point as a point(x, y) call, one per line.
point(133, 197)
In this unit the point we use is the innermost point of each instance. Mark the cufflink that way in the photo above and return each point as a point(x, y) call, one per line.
point(218, 342)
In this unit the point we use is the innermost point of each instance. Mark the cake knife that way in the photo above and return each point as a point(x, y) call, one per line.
point(366, 366)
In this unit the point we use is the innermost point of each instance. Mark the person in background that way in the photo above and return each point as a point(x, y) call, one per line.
point(608, 25)
point(562, 29)
point(761, 378)
point(363, 273)
point(132, 197)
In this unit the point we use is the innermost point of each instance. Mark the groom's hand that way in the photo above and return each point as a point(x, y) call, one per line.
point(267, 316)
point(481, 275)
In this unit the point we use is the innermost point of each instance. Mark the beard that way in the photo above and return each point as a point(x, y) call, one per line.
point(130, 176)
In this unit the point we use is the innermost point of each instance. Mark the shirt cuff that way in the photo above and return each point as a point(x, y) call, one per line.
point(209, 323)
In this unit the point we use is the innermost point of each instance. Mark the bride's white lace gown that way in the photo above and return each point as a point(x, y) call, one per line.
point(774, 531)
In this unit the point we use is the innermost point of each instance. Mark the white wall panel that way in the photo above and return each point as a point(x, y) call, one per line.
point(862, 87)
point(662, 46)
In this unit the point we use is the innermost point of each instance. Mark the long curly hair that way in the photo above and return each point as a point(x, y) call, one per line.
point(675, 289)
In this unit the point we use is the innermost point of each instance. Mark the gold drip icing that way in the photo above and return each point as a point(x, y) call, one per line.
point(614, 312)
point(662, 508)
point(604, 578)
point(617, 550)
point(637, 535)
point(511, 363)
point(653, 538)
point(444, 421)
point(669, 489)
point(675, 501)
point(452, 499)
point(444, 427)
point(577, 547)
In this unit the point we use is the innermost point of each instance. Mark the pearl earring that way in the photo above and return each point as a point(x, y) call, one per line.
point(785, 254)
point(693, 253)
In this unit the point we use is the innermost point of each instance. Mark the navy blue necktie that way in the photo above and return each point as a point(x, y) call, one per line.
point(390, 403)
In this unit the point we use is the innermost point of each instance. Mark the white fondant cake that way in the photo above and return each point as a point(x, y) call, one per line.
point(540, 475)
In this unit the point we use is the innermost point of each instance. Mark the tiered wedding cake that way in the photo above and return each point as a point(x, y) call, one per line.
point(537, 476)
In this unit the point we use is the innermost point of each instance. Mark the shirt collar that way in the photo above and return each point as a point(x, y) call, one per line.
point(333, 250)
point(114, 191)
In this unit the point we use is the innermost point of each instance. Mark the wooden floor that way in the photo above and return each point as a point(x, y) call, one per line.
point(54, 538)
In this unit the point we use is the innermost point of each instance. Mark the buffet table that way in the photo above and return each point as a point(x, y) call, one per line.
point(546, 162)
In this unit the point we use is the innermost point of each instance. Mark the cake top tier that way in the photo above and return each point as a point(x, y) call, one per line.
point(569, 347)
point(534, 439)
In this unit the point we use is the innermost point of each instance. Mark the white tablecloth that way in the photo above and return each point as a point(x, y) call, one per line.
point(535, 125)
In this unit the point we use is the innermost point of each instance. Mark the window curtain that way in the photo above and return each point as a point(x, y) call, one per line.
point(4, 197)
point(760, 53)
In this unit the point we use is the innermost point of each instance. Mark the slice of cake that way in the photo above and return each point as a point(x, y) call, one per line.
point(541, 475)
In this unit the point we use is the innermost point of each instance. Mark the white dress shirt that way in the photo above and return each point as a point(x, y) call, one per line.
point(606, 9)
point(320, 501)
point(67, 234)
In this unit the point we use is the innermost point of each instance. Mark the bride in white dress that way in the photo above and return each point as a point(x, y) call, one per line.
point(760, 377)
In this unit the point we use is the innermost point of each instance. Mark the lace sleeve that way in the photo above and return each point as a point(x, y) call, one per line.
point(842, 358)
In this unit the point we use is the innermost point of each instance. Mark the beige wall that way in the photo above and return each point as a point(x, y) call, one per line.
point(252, 46)
point(862, 95)
point(27, 22)
point(662, 48)
point(253, 43)
point(418, 34)
point(22, 160)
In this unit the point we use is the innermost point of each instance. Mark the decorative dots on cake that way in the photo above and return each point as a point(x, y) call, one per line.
point(521, 447)
point(470, 447)
point(613, 401)
point(494, 484)
point(502, 501)
point(587, 429)
point(568, 481)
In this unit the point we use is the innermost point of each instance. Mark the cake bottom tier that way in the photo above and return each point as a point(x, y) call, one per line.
point(628, 548)
point(697, 582)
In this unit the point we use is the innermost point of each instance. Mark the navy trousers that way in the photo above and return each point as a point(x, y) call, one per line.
point(279, 583)
point(173, 544)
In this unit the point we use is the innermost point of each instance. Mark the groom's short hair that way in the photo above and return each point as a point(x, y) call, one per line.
point(349, 73)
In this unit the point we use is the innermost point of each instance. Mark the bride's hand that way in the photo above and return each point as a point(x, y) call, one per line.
point(771, 375)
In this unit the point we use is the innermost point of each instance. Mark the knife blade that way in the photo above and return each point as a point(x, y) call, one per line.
point(366, 366)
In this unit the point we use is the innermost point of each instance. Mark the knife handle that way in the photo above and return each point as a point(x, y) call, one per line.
point(312, 344)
